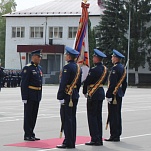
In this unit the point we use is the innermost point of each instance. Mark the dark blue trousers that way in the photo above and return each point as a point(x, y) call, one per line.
point(30, 117)
point(68, 115)
point(115, 120)
point(94, 114)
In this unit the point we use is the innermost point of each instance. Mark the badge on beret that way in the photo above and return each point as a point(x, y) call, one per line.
point(25, 71)
point(65, 70)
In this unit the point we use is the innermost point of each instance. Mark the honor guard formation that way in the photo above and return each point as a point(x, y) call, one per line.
point(30, 80)
point(10, 78)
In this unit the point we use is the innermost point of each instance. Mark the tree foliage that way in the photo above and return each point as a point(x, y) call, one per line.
point(6, 6)
point(113, 29)
point(140, 32)
point(92, 42)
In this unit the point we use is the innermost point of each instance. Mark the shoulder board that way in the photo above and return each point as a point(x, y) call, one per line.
point(29, 64)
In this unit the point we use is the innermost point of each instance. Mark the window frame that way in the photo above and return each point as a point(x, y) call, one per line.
point(58, 33)
point(36, 32)
point(18, 32)
point(73, 31)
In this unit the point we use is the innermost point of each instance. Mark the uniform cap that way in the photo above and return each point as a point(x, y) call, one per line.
point(71, 51)
point(117, 54)
point(36, 52)
point(99, 53)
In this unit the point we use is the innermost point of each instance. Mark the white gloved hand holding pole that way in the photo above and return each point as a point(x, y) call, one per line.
point(109, 100)
point(61, 101)
point(24, 101)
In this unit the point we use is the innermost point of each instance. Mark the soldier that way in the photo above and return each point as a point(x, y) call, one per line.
point(8, 79)
point(19, 78)
point(31, 91)
point(94, 92)
point(1, 76)
point(68, 95)
point(12, 78)
point(116, 89)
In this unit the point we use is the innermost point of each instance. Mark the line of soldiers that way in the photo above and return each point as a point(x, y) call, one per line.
point(11, 78)
point(68, 96)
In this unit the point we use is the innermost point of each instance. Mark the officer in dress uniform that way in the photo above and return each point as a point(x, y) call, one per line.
point(68, 95)
point(116, 89)
point(94, 92)
point(31, 92)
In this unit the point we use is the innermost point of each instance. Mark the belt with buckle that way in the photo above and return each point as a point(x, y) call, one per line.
point(34, 88)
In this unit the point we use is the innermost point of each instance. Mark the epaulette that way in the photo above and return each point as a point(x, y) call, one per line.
point(29, 64)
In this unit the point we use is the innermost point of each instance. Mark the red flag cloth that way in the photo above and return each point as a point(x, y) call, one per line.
point(81, 43)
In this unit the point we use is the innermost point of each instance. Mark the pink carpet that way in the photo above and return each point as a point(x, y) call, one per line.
point(48, 143)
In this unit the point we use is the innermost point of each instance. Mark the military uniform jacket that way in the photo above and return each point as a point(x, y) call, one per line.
point(68, 74)
point(114, 77)
point(31, 76)
point(93, 76)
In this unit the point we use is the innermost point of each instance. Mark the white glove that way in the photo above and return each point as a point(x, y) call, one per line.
point(86, 95)
point(24, 101)
point(109, 100)
point(61, 101)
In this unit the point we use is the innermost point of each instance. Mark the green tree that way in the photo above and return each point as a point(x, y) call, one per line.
point(113, 30)
point(92, 42)
point(6, 6)
point(140, 38)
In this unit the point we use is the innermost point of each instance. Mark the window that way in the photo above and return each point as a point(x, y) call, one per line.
point(72, 32)
point(18, 32)
point(36, 32)
point(55, 32)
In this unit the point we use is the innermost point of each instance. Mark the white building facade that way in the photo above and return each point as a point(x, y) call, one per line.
point(49, 27)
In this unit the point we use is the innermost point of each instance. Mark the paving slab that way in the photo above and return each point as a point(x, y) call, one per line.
point(136, 119)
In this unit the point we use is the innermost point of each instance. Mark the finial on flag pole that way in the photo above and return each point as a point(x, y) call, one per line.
point(85, 1)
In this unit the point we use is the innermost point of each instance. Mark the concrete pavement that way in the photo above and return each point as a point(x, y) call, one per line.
point(136, 114)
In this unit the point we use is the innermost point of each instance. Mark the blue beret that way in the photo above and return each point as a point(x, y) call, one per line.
point(117, 54)
point(99, 53)
point(36, 52)
point(71, 51)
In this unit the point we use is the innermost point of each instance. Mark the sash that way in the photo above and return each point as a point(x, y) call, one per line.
point(120, 82)
point(70, 87)
point(92, 90)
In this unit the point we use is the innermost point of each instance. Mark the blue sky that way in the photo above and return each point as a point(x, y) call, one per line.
point(24, 4)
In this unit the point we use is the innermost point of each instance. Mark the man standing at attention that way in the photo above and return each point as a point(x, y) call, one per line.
point(94, 92)
point(31, 92)
point(116, 89)
point(68, 95)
